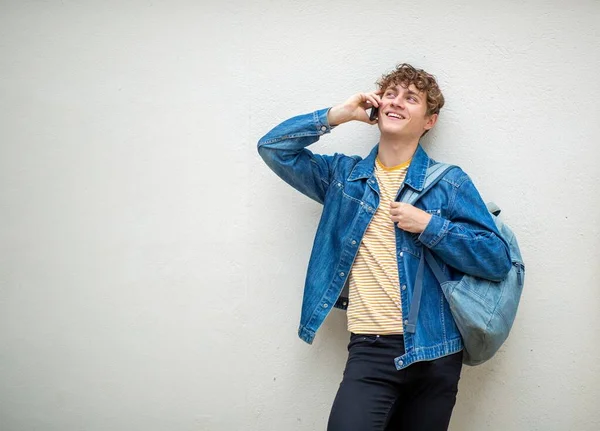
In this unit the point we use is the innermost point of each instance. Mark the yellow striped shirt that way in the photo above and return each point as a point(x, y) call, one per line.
point(374, 305)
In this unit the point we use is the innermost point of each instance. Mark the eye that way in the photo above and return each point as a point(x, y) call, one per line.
point(412, 99)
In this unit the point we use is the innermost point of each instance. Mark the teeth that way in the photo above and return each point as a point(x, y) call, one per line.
point(391, 114)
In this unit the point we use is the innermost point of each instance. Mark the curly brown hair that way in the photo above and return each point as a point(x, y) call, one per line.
point(405, 75)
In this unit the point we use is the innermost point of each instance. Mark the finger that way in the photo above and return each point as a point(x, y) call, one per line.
point(372, 100)
point(360, 99)
point(364, 117)
point(370, 103)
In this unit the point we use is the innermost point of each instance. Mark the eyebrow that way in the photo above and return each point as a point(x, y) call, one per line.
point(410, 92)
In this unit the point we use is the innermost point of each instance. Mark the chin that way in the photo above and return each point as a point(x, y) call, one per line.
point(393, 130)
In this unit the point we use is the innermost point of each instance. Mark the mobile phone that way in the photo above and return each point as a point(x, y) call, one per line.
point(373, 114)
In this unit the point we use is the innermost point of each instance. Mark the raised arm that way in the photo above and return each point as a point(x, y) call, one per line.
point(284, 148)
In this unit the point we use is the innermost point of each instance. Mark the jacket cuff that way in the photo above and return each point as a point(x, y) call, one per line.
point(321, 123)
point(435, 230)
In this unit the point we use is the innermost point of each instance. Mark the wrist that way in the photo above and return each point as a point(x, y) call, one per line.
point(337, 115)
point(426, 219)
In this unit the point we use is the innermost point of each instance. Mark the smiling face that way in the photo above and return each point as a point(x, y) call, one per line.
point(403, 112)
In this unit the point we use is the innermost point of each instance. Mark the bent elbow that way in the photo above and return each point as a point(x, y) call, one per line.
point(502, 266)
point(504, 269)
point(264, 151)
point(260, 149)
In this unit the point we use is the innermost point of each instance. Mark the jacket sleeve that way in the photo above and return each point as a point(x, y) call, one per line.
point(283, 150)
point(468, 239)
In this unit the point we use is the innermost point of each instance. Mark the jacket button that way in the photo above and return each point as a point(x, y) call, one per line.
point(325, 305)
point(400, 363)
point(404, 287)
point(323, 128)
point(353, 242)
point(342, 274)
point(406, 322)
point(401, 253)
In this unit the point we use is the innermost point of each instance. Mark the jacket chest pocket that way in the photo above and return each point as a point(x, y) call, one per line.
point(354, 193)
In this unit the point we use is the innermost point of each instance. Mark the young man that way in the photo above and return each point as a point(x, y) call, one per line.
point(403, 369)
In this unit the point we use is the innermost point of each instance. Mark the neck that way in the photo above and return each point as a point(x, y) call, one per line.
point(393, 151)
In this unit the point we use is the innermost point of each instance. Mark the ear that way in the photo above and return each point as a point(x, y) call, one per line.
point(431, 121)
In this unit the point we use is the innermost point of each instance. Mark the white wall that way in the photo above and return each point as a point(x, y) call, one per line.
point(151, 266)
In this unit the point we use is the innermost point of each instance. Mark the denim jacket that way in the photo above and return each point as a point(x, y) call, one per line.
point(461, 233)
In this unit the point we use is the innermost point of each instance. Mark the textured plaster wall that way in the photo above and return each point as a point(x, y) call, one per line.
point(151, 266)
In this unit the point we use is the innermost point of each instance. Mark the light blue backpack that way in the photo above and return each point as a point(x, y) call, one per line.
point(483, 310)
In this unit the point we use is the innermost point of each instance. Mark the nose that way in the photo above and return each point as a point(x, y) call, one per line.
point(398, 101)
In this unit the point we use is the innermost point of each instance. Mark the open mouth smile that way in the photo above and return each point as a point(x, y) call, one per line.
point(395, 116)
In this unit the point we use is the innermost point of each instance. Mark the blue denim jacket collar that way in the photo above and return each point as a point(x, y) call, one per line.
point(364, 169)
point(415, 177)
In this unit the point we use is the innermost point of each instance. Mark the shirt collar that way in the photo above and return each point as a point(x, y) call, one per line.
point(415, 177)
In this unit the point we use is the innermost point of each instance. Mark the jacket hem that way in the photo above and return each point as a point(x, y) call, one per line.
point(429, 353)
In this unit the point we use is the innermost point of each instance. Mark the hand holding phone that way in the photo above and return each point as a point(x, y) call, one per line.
point(355, 108)
point(374, 113)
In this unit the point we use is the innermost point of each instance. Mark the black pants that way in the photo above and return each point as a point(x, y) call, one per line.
point(375, 396)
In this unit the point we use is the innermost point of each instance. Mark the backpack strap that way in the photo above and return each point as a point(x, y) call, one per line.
point(434, 174)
